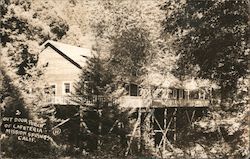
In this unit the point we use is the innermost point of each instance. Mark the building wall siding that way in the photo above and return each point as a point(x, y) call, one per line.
point(59, 70)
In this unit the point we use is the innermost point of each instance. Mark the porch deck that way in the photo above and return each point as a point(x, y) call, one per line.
point(133, 102)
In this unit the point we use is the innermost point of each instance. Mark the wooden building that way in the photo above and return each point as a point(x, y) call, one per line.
point(63, 65)
point(164, 110)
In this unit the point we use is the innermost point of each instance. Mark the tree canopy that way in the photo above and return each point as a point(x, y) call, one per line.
point(213, 36)
point(150, 43)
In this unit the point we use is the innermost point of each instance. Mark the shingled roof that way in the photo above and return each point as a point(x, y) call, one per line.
point(76, 55)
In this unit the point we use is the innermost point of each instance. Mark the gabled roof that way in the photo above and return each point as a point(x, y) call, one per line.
point(75, 55)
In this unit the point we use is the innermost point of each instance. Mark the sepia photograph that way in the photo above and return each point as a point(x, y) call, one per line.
point(125, 79)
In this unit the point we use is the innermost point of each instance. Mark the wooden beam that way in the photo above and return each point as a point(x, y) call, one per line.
point(192, 117)
point(164, 138)
point(137, 123)
point(140, 130)
point(175, 137)
point(165, 128)
point(188, 117)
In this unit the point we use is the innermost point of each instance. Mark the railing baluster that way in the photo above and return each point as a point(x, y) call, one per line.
point(130, 101)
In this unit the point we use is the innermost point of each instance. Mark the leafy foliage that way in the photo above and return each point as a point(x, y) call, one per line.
point(23, 31)
point(211, 40)
point(100, 116)
point(11, 99)
point(213, 36)
point(208, 39)
point(11, 147)
point(13, 105)
point(97, 77)
point(130, 32)
point(130, 52)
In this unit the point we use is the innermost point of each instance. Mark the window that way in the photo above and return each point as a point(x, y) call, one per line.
point(180, 94)
point(194, 95)
point(134, 90)
point(174, 93)
point(170, 93)
point(53, 89)
point(67, 87)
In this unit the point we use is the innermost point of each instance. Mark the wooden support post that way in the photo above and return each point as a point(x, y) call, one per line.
point(192, 115)
point(99, 130)
point(188, 117)
point(161, 131)
point(152, 120)
point(140, 130)
point(164, 133)
point(174, 115)
point(164, 128)
point(190, 120)
point(137, 123)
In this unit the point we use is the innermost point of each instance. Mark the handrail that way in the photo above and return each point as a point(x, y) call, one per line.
point(129, 101)
point(72, 100)
point(181, 102)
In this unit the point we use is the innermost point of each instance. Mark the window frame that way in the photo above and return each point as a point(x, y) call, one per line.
point(137, 90)
point(64, 87)
point(50, 86)
point(174, 93)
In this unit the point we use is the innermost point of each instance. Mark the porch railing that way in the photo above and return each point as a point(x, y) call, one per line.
point(72, 100)
point(130, 101)
point(136, 101)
